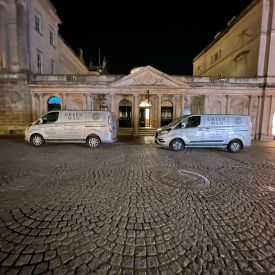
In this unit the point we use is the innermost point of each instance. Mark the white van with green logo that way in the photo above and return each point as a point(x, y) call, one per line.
point(211, 131)
point(90, 127)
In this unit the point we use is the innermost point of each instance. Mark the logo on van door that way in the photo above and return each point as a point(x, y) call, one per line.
point(216, 121)
point(238, 120)
point(95, 116)
point(73, 116)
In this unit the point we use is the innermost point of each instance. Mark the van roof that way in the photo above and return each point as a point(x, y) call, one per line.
point(67, 110)
point(216, 115)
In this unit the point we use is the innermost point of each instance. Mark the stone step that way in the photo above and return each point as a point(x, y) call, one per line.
point(141, 131)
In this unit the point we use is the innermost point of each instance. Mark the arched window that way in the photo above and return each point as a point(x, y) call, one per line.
point(216, 107)
point(166, 112)
point(54, 103)
point(125, 113)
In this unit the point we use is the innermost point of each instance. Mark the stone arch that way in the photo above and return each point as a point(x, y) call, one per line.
point(77, 104)
point(54, 103)
point(216, 107)
point(125, 114)
point(166, 112)
point(239, 107)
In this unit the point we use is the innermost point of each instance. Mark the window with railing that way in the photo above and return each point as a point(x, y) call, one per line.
point(216, 56)
point(37, 22)
point(52, 40)
point(52, 66)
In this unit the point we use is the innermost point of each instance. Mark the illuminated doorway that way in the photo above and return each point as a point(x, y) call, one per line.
point(54, 103)
point(166, 112)
point(145, 113)
point(125, 114)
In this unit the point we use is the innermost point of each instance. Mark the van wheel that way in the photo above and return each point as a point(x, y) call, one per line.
point(93, 141)
point(37, 140)
point(177, 144)
point(234, 146)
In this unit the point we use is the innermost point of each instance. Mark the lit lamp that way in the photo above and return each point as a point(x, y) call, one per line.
point(147, 104)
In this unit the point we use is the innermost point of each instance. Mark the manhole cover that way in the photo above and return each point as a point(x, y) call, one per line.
point(181, 179)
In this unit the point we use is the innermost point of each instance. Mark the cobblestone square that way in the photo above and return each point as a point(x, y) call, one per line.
point(135, 208)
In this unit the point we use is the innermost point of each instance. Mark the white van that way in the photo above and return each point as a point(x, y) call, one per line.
point(90, 127)
point(212, 131)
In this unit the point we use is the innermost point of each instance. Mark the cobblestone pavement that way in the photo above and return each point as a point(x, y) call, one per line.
point(129, 208)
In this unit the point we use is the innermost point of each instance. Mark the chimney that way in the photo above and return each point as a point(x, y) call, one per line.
point(80, 54)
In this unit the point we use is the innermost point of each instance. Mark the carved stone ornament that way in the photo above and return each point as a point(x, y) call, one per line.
point(147, 79)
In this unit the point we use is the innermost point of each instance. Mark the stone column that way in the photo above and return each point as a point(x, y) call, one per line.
point(4, 57)
point(40, 105)
point(205, 109)
point(174, 108)
point(13, 41)
point(158, 110)
point(182, 105)
point(113, 107)
point(272, 113)
point(34, 107)
point(88, 105)
point(177, 107)
point(228, 103)
point(258, 130)
point(136, 114)
point(250, 106)
point(91, 102)
point(60, 96)
point(23, 35)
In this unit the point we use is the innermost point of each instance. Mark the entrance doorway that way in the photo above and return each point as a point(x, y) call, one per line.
point(166, 112)
point(145, 113)
point(125, 114)
point(54, 103)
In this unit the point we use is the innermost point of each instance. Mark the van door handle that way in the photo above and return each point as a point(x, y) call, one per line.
point(203, 129)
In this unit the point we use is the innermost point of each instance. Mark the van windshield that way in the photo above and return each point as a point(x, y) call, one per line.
point(177, 121)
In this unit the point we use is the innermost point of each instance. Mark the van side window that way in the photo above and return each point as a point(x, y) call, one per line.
point(193, 121)
point(50, 117)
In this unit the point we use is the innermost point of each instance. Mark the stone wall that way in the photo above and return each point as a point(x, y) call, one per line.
point(15, 104)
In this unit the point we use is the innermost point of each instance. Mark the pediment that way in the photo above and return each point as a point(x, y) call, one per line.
point(148, 76)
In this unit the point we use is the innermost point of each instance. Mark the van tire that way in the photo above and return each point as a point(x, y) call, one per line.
point(93, 141)
point(234, 146)
point(37, 140)
point(177, 144)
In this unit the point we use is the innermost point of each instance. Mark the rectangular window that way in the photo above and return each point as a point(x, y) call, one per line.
point(52, 66)
point(52, 42)
point(39, 61)
point(37, 22)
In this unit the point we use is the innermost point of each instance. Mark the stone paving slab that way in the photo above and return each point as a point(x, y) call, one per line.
point(135, 208)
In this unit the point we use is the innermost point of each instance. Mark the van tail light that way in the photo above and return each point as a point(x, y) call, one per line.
point(110, 126)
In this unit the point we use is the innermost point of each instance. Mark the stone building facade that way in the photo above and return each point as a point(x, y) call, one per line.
point(29, 40)
point(245, 48)
point(143, 100)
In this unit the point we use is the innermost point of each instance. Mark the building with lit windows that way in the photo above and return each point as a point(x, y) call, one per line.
point(39, 72)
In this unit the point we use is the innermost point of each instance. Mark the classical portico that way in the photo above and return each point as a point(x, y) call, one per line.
point(167, 97)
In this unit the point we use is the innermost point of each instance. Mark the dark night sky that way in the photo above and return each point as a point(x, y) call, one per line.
point(165, 35)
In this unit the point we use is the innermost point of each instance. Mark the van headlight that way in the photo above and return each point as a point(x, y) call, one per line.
point(164, 132)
